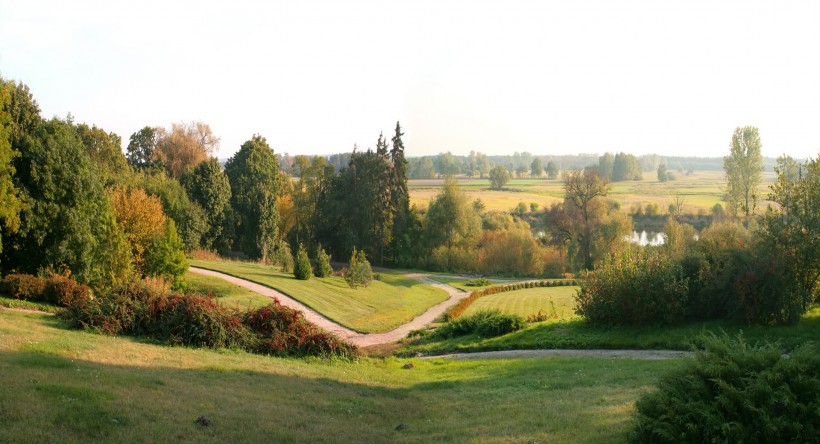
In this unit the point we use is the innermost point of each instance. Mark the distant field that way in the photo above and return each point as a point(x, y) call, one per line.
point(700, 191)
point(378, 308)
point(557, 300)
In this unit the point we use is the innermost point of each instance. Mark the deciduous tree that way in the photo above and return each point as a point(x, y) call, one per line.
point(185, 146)
point(499, 176)
point(744, 169)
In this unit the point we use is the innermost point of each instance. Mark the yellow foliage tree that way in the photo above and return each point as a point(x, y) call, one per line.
point(141, 218)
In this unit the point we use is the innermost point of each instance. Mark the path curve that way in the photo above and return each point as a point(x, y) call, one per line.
point(652, 355)
point(358, 339)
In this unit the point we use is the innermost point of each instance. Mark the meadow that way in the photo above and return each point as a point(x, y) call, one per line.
point(72, 386)
point(556, 302)
point(380, 307)
point(700, 191)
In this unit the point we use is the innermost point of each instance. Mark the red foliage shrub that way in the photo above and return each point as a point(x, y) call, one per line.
point(64, 291)
point(23, 286)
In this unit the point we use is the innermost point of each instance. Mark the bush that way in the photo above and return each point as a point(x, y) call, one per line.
point(487, 323)
point(634, 288)
point(63, 291)
point(301, 266)
point(193, 319)
point(479, 282)
point(735, 392)
point(360, 274)
point(323, 268)
point(23, 286)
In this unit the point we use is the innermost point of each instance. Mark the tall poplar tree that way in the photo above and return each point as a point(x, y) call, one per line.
point(744, 170)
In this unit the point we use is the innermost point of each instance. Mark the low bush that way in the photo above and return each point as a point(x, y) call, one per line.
point(140, 309)
point(735, 392)
point(478, 282)
point(23, 286)
point(487, 323)
point(63, 291)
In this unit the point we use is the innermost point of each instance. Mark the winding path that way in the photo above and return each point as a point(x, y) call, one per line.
point(359, 339)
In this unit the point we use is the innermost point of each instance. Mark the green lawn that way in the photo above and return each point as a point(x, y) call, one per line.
point(228, 294)
point(28, 305)
point(382, 306)
point(553, 300)
point(74, 387)
point(577, 333)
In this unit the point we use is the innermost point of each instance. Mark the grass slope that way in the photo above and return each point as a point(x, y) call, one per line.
point(577, 333)
point(72, 387)
point(382, 306)
point(529, 301)
point(226, 293)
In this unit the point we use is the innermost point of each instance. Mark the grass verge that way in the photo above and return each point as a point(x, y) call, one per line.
point(382, 306)
point(72, 386)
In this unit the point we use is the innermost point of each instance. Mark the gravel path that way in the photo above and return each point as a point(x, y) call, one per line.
point(611, 354)
point(359, 339)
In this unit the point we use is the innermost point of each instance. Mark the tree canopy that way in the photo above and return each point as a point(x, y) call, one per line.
point(744, 170)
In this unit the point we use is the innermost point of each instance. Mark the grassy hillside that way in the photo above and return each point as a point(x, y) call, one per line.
point(382, 306)
point(228, 294)
point(70, 386)
point(557, 300)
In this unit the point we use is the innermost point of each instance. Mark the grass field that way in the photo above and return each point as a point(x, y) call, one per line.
point(557, 300)
point(75, 387)
point(382, 306)
point(577, 333)
point(700, 191)
point(227, 294)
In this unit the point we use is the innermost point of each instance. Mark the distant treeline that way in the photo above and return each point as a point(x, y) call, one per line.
point(521, 164)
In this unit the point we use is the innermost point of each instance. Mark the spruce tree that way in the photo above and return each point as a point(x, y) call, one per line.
point(359, 274)
point(301, 266)
point(323, 268)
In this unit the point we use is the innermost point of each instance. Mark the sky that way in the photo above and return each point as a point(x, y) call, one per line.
point(316, 77)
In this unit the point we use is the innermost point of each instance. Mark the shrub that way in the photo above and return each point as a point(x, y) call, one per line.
point(735, 392)
point(487, 323)
point(542, 316)
point(64, 291)
point(23, 286)
point(193, 319)
point(301, 265)
point(634, 288)
point(323, 268)
point(360, 274)
point(478, 282)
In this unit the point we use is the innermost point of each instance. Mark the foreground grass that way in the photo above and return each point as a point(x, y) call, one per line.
point(226, 293)
point(71, 386)
point(577, 333)
point(559, 301)
point(382, 306)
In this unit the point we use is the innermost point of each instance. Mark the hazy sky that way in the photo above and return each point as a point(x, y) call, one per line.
point(671, 77)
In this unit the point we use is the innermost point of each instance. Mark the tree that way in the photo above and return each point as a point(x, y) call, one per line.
point(581, 219)
point(165, 258)
point(521, 171)
point(744, 169)
point(209, 187)
point(252, 173)
point(451, 223)
point(536, 168)
point(499, 176)
point(359, 274)
point(105, 151)
point(606, 165)
point(793, 232)
point(404, 221)
point(663, 173)
point(301, 265)
point(142, 149)
point(68, 221)
point(626, 167)
point(11, 202)
point(190, 219)
point(142, 220)
point(323, 268)
point(552, 170)
point(185, 146)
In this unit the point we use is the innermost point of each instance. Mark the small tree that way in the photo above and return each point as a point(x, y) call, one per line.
point(301, 266)
point(499, 176)
point(359, 274)
point(323, 268)
point(164, 257)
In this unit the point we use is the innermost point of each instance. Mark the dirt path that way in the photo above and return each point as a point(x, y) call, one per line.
point(359, 339)
point(25, 310)
point(610, 354)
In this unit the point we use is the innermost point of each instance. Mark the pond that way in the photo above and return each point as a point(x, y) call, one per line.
point(645, 238)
